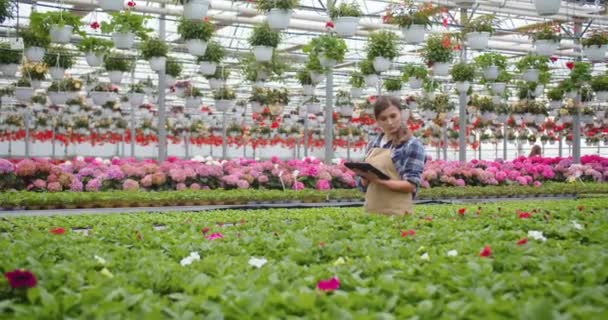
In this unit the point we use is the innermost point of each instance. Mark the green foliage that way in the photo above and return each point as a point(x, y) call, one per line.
point(313, 64)
point(406, 14)
point(491, 59)
point(277, 66)
point(382, 43)
point(600, 83)
point(267, 5)
point(412, 70)
point(533, 61)
point(136, 88)
point(596, 39)
point(118, 62)
point(463, 72)
point(95, 45)
point(367, 67)
point(262, 35)
point(59, 57)
point(277, 96)
point(546, 33)
point(214, 53)
point(392, 84)
point(345, 9)
point(224, 93)
point(189, 29)
point(173, 67)
point(434, 51)
point(304, 77)
point(41, 22)
point(68, 84)
point(7, 9)
point(8, 56)
point(440, 103)
point(580, 73)
point(328, 45)
point(125, 22)
point(23, 82)
point(33, 39)
point(483, 23)
point(356, 79)
point(153, 47)
point(555, 94)
point(482, 103)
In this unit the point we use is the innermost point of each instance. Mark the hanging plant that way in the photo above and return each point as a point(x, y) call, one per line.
point(356, 79)
point(59, 57)
point(596, 39)
point(224, 94)
point(153, 47)
point(68, 84)
point(345, 9)
point(600, 83)
point(327, 46)
point(42, 22)
point(117, 62)
point(33, 39)
point(214, 53)
point(546, 33)
point(262, 35)
point(491, 59)
point(556, 94)
point(580, 73)
point(367, 67)
point(463, 72)
point(313, 64)
point(7, 9)
point(256, 70)
point(304, 77)
point(278, 96)
point(407, 13)
point(8, 56)
point(437, 49)
point(173, 68)
point(393, 84)
point(259, 95)
point(343, 99)
point(482, 103)
point(412, 70)
point(267, 5)
point(482, 23)
point(382, 44)
point(126, 22)
point(34, 71)
point(95, 45)
point(220, 73)
point(189, 29)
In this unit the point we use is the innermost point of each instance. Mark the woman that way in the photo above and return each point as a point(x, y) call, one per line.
point(536, 151)
point(396, 153)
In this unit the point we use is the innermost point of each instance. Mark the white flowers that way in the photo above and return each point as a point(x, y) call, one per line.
point(452, 253)
point(536, 235)
point(189, 259)
point(99, 259)
point(295, 174)
point(576, 225)
point(425, 257)
point(257, 262)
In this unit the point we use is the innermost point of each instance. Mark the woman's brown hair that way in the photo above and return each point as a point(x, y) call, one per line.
point(384, 102)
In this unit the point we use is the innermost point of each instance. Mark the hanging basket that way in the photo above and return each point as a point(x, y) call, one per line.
point(262, 53)
point(207, 68)
point(601, 96)
point(135, 99)
point(123, 40)
point(530, 75)
point(169, 81)
point(346, 111)
point(36, 84)
point(308, 90)
point(196, 47)
point(57, 73)
point(93, 59)
point(546, 48)
point(215, 84)
point(414, 34)
point(35, 54)
point(193, 102)
point(462, 86)
point(61, 34)
point(464, 3)
point(9, 69)
point(101, 98)
point(24, 94)
point(371, 80)
point(414, 83)
point(279, 19)
point(326, 62)
point(381, 64)
point(316, 77)
point(196, 10)
point(490, 73)
point(499, 88)
point(313, 108)
point(256, 107)
point(346, 26)
point(441, 69)
point(158, 63)
point(478, 40)
point(115, 76)
point(223, 105)
point(595, 53)
point(58, 97)
point(111, 5)
point(547, 7)
point(555, 104)
point(355, 93)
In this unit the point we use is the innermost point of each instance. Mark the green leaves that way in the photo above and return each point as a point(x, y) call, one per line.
point(125, 22)
point(382, 44)
point(189, 29)
point(262, 35)
point(153, 47)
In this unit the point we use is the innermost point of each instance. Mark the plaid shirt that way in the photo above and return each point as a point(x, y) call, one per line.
point(408, 158)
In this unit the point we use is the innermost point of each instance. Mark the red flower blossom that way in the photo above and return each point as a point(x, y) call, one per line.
point(205, 230)
point(570, 65)
point(329, 25)
point(409, 232)
point(385, 18)
point(131, 4)
point(206, 19)
point(485, 252)
point(58, 231)
point(329, 284)
point(522, 241)
point(524, 215)
point(20, 278)
point(553, 59)
point(94, 25)
point(462, 211)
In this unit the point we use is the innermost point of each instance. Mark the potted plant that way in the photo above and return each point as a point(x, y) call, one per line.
point(234, 130)
point(478, 31)
point(500, 85)
point(136, 94)
point(531, 66)
point(277, 100)
point(315, 69)
point(61, 91)
point(155, 51)
point(546, 41)
point(94, 49)
point(218, 79)
point(35, 44)
point(23, 90)
point(278, 11)
point(345, 18)
point(306, 82)
point(437, 53)
point(263, 41)
point(9, 60)
point(193, 97)
point(343, 103)
point(7, 9)
point(329, 49)
point(224, 99)
point(547, 7)
point(356, 82)
point(58, 59)
point(411, 18)
point(103, 93)
point(595, 46)
point(258, 99)
point(196, 34)
point(212, 57)
point(125, 26)
point(414, 75)
point(369, 73)
point(195, 10)
point(462, 75)
point(555, 96)
point(116, 65)
point(35, 72)
point(59, 25)
point(599, 84)
point(382, 49)
point(173, 70)
point(491, 64)
point(393, 86)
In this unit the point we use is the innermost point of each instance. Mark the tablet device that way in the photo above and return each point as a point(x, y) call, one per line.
point(366, 167)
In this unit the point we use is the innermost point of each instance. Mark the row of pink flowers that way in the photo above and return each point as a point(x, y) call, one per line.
point(94, 174)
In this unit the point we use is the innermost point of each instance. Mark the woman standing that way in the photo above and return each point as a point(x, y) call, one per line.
point(397, 154)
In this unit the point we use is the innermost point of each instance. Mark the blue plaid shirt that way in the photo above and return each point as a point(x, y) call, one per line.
point(408, 158)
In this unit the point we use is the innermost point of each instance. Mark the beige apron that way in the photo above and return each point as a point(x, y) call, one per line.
point(379, 199)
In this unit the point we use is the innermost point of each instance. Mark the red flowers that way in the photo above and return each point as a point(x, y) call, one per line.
point(409, 232)
point(329, 25)
point(485, 252)
point(20, 278)
point(131, 4)
point(329, 284)
point(57, 231)
point(205, 230)
point(524, 215)
point(522, 241)
point(570, 65)
point(553, 59)
point(214, 236)
point(94, 25)
point(462, 211)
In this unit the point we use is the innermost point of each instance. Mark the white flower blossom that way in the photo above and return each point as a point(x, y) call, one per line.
point(577, 225)
point(536, 235)
point(452, 253)
point(194, 256)
point(100, 259)
point(257, 262)
point(425, 257)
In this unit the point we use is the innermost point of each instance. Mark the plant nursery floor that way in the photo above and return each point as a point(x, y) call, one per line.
point(519, 259)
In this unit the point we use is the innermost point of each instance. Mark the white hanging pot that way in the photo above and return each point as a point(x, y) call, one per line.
point(346, 111)
point(115, 76)
point(316, 77)
point(499, 87)
point(215, 84)
point(35, 54)
point(193, 102)
point(496, 99)
point(393, 93)
point(531, 75)
point(381, 64)
point(57, 73)
point(9, 69)
point(169, 81)
point(478, 40)
point(555, 104)
point(36, 84)
point(207, 68)
point(196, 9)
point(346, 26)
point(355, 93)
point(61, 34)
point(99, 98)
point(111, 5)
point(601, 96)
point(547, 7)
point(441, 69)
point(371, 80)
point(58, 97)
point(538, 91)
point(279, 19)
point(327, 62)
point(158, 63)
point(93, 59)
point(262, 53)
point(414, 83)
point(529, 118)
point(196, 47)
point(313, 108)
point(462, 86)
point(24, 94)
point(256, 107)
point(123, 40)
point(414, 34)
point(223, 105)
point(546, 48)
point(595, 53)
point(464, 3)
point(539, 119)
point(308, 90)
point(571, 94)
point(490, 73)
point(135, 99)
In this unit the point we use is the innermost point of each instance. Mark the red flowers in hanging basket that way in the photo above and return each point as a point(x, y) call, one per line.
point(570, 65)
point(94, 25)
point(329, 25)
point(131, 4)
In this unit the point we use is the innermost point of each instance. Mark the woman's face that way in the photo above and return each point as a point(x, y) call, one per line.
point(389, 120)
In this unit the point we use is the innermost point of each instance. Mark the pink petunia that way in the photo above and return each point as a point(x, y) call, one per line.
point(329, 284)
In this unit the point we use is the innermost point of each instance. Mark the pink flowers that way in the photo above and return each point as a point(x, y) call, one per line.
point(215, 236)
point(57, 231)
point(329, 284)
point(485, 252)
point(323, 185)
point(524, 215)
point(20, 278)
point(130, 185)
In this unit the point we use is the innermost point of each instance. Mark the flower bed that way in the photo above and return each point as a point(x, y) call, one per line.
point(531, 260)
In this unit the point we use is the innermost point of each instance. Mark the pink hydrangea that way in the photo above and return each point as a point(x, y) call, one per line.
point(76, 185)
point(297, 185)
point(195, 186)
point(130, 185)
point(323, 184)
point(93, 185)
point(181, 186)
point(54, 187)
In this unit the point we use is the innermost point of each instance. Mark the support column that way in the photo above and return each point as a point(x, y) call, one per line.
point(132, 120)
point(162, 79)
point(560, 145)
point(504, 143)
point(444, 139)
point(53, 138)
point(462, 118)
point(224, 142)
point(576, 125)
point(306, 135)
point(186, 145)
point(329, 94)
point(26, 122)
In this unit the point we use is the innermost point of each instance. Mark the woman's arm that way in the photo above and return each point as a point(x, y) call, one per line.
point(398, 185)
